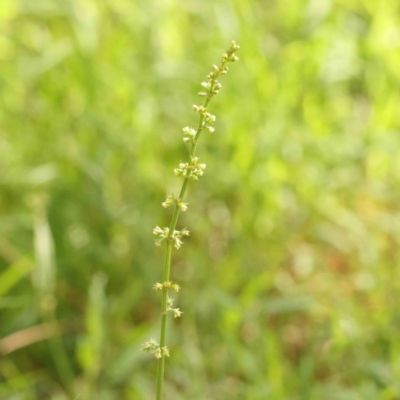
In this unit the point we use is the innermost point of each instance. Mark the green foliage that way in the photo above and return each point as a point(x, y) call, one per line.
point(294, 242)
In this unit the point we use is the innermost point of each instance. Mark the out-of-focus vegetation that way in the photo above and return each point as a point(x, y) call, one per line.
point(290, 279)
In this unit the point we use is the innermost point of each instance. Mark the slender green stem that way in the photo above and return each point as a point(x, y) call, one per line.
point(161, 361)
point(167, 264)
point(212, 89)
point(177, 210)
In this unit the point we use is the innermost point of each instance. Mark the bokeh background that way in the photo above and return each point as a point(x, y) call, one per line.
point(290, 279)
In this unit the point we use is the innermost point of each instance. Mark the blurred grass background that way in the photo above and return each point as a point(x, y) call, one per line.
point(290, 279)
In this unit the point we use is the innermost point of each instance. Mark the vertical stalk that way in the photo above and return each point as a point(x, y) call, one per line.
point(167, 264)
point(161, 361)
point(191, 169)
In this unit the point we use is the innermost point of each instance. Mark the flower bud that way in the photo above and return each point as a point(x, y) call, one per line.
point(165, 351)
point(157, 353)
point(177, 312)
point(176, 287)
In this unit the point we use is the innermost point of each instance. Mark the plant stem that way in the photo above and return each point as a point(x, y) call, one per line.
point(161, 361)
point(188, 170)
point(167, 264)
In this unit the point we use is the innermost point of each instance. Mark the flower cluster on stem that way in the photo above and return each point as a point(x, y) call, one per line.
point(166, 286)
point(192, 169)
point(152, 346)
point(175, 236)
point(171, 200)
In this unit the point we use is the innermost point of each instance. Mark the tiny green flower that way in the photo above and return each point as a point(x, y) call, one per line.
point(161, 234)
point(200, 109)
point(167, 285)
point(165, 351)
point(157, 353)
point(177, 243)
point(170, 199)
point(184, 232)
point(182, 169)
point(176, 287)
point(189, 134)
point(177, 312)
point(150, 345)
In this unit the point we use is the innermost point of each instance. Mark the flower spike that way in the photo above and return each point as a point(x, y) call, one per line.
point(191, 169)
